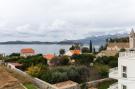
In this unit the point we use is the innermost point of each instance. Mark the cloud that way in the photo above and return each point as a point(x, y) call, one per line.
point(54, 20)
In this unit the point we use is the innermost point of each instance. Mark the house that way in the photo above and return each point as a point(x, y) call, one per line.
point(117, 46)
point(67, 85)
point(48, 57)
point(125, 73)
point(73, 52)
point(25, 52)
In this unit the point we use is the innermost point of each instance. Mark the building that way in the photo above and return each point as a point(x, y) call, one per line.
point(25, 52)
point(132, 39)
point(48, 57)
point(125, 73)
point(122, 45)
point(117, 46)
point(73, 52)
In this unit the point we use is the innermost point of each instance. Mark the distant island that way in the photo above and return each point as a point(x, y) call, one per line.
point(34, 42)
point(97, 40)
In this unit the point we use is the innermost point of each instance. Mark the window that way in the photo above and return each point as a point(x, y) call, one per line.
point(124, 87)
point(124, 71)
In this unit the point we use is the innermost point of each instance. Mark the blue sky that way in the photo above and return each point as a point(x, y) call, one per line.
point(54, 20)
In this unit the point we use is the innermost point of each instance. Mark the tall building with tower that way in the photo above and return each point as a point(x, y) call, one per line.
point(132, 39)
point(125, 73)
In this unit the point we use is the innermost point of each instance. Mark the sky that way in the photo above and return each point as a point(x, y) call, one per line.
point(56, 20)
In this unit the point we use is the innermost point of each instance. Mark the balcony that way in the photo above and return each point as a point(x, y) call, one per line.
point(127, 54)
point(113, 86)
point(113, 73)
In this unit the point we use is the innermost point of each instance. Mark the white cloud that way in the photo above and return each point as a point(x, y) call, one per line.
point(52, 20)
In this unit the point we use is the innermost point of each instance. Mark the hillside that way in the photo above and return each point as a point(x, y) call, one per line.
point(7, 81)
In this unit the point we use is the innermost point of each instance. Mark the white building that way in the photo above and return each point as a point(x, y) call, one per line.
point(125, 73)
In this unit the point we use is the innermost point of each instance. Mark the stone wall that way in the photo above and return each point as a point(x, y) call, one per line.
point(97, 82)
point(41, 84)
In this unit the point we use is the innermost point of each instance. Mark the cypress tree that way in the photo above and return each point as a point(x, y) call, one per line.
point(90, 46)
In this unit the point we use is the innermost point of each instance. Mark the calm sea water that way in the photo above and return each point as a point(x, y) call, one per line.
point(39, 48)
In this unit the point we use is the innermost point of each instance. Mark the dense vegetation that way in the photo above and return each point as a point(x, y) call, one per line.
point(59, 74)
point(122, 39)
point(76, 67)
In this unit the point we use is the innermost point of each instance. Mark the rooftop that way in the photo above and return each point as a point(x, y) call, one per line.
point(27, 50)
point(49, 56)
point(127, 54)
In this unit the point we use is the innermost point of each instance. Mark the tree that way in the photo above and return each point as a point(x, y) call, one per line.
point(90, 46)
point(101, 48)
point(85, 50)
point(62, 52)
point(84, 59)
point(72, 47)
point(94, 50)
point(36, 70)
point(64, 60)
point(14, 54)
point(76, 46)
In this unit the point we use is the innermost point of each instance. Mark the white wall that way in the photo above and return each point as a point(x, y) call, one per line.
point(129, 62)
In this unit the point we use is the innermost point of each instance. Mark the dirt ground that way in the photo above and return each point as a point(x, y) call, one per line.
point(7, 81)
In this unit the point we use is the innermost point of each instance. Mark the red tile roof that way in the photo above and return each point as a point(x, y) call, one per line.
point(49, 56)
point(76, 52)
point(27, 50)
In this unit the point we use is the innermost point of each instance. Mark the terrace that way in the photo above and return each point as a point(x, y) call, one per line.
point(113, 73)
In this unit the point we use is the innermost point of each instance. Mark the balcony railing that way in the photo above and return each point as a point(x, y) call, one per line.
point(113, 73)
point(113, 86)
point(128, 53)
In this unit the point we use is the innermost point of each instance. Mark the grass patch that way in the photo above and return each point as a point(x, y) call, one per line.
point(30, 86)
point(105, 85)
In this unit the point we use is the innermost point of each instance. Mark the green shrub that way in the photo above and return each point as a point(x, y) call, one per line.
point(63, 73)
point(102, 69)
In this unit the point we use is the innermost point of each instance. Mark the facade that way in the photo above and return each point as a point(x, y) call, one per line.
point(117, 46)
point(73, 52)
point(125, 73)
point(27, 52)
point(48, 57)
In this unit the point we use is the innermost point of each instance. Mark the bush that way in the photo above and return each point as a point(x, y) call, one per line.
point(85, 50)
point(36, 71)
point(111, 61)
point(84, 59)
point(32, 61)
point(102, 69)
point(64, 60)
point(60, 74)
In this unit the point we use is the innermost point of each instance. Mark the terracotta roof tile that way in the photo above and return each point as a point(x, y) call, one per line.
point(27, 50)
point(49, 56)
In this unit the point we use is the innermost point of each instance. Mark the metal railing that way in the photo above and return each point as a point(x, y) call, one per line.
point(113, 70)
point(128, 53)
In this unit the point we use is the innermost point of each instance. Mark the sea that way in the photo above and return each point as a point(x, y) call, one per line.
point(8, 49)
